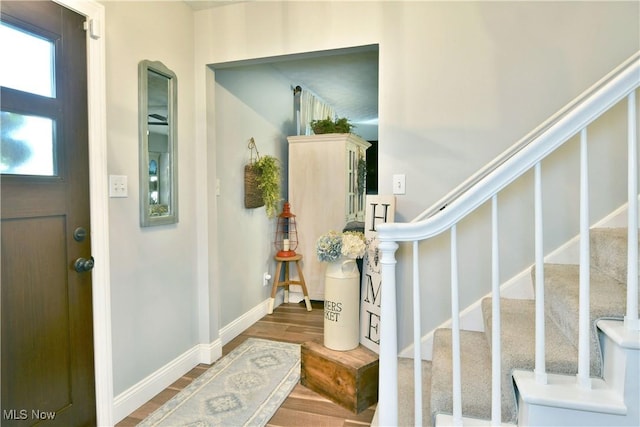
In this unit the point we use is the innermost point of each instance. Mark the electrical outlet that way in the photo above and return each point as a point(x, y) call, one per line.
point(265, 278)
point(118, 186)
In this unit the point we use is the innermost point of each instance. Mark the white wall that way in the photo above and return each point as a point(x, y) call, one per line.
point(153, 270)
point(458, 83)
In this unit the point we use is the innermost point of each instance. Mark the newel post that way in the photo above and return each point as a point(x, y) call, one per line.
point(388, 383)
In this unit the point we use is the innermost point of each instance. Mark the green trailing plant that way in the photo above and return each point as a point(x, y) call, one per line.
point(268, 178)
point(341, 125)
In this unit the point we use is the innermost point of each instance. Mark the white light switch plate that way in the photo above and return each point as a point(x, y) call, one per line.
point(118, 186)
point(399, 184)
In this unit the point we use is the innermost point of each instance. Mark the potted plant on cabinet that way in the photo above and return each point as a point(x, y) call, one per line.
point(339, 125)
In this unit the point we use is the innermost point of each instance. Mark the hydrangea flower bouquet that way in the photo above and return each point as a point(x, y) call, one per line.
point(332, 245)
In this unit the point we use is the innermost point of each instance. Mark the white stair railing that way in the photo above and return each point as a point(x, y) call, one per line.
point(540, 363)
point(584, 379)
point(631, 319)
point(486, 185)
point(455, 326)
point(417, 333)
point(496, 348)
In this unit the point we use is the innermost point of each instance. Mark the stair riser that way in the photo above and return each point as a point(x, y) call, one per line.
point(632, 385)
point(615, 363)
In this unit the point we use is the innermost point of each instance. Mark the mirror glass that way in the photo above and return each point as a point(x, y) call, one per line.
point(158, 130)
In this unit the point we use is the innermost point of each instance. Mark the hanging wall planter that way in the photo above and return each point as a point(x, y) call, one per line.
point(261, 181)
point(252, 194)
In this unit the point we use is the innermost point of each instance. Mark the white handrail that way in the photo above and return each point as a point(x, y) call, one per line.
point(602, 84)
point(616, 89)
point(481, 187)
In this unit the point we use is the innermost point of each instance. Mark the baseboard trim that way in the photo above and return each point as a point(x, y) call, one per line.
point(209, 353)
point(139, 394)
point(236, 327)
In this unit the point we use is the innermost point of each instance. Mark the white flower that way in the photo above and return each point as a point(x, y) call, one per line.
point(353, 245)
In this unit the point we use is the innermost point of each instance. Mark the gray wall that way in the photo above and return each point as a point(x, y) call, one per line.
point(458, 83)
point(250, 102)
point(153, 270)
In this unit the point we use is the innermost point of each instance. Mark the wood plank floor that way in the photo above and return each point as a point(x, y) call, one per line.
point(288, 323)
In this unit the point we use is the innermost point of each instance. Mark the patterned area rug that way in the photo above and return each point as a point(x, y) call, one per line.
point(244, 388)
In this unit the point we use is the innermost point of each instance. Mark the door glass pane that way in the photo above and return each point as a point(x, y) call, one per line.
point(27, 61)
point(27, 145)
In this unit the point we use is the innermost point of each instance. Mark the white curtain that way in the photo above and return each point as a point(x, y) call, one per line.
point(312, 108)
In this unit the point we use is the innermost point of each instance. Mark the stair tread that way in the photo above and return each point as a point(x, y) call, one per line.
point(607, 300)
point(518, 337)
point(607, 295)
point(406, 412)
point(475, 374)
point(620, 334)
point(608, 251)
point(518, 346)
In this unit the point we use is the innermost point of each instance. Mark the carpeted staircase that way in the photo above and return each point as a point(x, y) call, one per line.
point(608, 249)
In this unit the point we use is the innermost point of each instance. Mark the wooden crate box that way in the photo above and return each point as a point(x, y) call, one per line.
point(348, 378)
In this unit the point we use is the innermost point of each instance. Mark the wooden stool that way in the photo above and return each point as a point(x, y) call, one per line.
point(286, 282)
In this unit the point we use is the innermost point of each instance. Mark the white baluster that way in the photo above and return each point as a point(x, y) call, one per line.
point(584, 356)
point(631, 319)
point(388, 372)
point(455, 334)
point(496, 348)
point(540, 368)
point(417, 354)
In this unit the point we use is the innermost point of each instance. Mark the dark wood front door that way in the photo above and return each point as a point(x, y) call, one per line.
point(46, 307)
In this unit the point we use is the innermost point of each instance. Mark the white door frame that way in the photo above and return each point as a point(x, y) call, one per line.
point(99, 203)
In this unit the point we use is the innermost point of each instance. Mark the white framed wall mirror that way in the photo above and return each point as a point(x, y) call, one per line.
point(157, 95)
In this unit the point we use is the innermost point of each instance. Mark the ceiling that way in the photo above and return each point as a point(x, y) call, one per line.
point(346, 79)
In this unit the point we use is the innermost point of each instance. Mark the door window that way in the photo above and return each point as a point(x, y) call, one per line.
point(27, 145)
point(29, 104)
point(27, 61)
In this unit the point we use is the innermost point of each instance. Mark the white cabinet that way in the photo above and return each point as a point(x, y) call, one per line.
point(323, 193)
